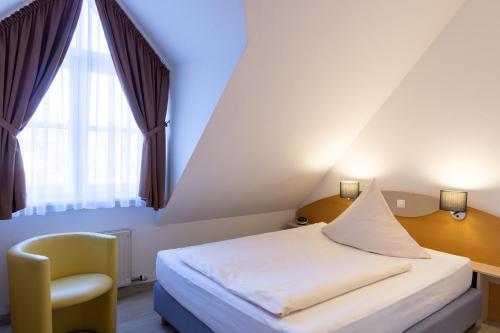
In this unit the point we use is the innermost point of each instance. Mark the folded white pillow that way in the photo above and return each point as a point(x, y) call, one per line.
point(368, 224)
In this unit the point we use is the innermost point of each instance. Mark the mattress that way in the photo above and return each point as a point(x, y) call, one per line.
point(391, 305)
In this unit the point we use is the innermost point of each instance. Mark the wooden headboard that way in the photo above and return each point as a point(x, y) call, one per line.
point(329, 208)
point(476, 237)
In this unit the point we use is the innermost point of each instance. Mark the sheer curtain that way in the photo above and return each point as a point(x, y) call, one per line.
point(82, 148)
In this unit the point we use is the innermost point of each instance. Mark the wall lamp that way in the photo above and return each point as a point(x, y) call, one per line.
point(454, 202)
point(349, 189)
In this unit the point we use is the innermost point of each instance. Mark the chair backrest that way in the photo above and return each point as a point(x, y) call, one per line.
point(76, 253)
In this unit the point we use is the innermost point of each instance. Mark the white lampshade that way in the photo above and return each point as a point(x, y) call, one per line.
point(453, 201)
point(349, 189)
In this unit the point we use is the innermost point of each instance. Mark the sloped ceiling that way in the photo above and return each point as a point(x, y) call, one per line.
point(312, 76)
point(7, 7)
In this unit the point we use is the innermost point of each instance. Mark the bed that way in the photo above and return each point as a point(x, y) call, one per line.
point(434, 296)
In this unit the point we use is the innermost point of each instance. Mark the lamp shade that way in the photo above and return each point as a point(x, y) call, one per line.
point(349, 189)
point(453, 201)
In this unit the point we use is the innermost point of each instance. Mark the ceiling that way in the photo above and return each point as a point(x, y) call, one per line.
point(312, 76)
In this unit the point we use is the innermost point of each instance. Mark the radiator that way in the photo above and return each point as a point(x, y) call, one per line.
point(124, 255)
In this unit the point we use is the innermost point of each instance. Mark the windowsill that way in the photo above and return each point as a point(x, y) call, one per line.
point(62, 207)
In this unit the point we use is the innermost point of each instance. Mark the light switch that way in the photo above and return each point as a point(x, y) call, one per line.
point(401, 203)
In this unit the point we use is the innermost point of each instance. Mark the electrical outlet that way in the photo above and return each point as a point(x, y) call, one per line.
point(401, 203)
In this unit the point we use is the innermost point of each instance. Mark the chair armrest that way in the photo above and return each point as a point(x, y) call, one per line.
point(103, 251)
point(29, 287)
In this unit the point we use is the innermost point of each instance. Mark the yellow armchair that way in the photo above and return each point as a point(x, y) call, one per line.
point(63, 282)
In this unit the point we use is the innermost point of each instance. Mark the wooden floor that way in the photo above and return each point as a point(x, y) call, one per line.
point(135, 314)
point(488, 327)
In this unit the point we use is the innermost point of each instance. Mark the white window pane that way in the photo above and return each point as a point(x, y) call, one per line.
point(55, 106)
point(100, 99)
point(99, 159)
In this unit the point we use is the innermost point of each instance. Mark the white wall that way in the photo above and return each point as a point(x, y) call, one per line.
point(147, 236)
point(195, 90)
point(312, 76)
point(440, 128)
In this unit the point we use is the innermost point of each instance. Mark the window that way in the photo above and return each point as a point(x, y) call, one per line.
point(82, 148)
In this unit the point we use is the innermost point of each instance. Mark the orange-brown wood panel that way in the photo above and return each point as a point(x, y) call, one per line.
point(324, 210)
point(494, 303)
point(476, 237)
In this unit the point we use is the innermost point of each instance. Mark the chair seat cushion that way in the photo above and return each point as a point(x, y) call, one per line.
point(77, 289)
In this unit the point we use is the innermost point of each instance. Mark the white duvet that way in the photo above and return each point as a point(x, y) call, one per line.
point(290, 270)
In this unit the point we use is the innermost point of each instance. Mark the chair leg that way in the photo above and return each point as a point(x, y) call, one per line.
point(164, 322)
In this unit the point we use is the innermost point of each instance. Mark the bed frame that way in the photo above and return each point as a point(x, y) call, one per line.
point(419, 218)
point(457, 316)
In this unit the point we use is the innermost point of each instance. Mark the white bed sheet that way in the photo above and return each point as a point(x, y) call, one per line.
point(262, 269)
point(391, 305)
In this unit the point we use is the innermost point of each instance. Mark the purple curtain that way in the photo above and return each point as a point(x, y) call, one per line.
point(33, 43)
point(145, 81)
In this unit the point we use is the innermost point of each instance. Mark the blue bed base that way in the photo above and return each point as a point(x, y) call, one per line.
point(455, 317)
point(175, 314)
